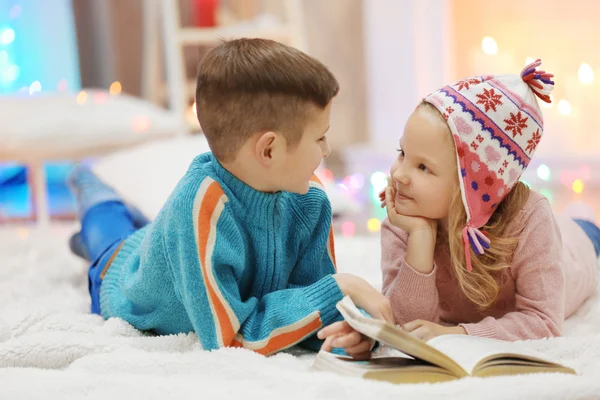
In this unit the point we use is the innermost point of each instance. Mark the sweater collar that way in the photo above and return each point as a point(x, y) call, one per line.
point(252, 200)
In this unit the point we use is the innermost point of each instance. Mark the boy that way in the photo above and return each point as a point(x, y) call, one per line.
point(242, 251)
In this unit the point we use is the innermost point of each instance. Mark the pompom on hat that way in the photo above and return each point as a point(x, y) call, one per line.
point(496, 124)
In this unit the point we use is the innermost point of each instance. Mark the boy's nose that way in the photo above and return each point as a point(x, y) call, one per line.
point(326, 150)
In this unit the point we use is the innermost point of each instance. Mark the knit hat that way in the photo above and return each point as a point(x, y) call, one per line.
point(496, 124)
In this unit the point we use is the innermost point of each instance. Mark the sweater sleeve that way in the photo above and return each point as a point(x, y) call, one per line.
point(317, 255)
point(540, 292)
point(413, 295)
point(207, 259)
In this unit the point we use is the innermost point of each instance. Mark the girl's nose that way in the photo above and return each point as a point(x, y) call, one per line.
point(400, 175)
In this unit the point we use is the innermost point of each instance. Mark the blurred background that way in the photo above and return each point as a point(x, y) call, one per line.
point(111, 83)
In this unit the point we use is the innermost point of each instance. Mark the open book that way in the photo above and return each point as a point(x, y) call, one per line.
point(440, 359)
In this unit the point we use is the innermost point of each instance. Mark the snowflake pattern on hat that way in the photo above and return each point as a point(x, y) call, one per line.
point(496, 124)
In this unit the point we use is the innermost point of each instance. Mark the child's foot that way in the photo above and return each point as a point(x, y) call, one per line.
point(77, 247)
point(89, 190)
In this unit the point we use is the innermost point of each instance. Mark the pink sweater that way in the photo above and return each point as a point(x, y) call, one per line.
point(553, 270)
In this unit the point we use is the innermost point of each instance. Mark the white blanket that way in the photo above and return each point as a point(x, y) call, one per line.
point(52, 348)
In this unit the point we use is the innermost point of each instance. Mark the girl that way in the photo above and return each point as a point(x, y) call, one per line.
point(467, 248)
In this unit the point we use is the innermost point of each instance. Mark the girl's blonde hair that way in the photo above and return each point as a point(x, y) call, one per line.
point(481, 285)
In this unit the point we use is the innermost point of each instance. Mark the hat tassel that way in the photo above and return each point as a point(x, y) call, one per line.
point(539, 81)
point(475, 239)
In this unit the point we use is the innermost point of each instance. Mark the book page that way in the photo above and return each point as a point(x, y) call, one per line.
point(394, 337)
point(468, 351)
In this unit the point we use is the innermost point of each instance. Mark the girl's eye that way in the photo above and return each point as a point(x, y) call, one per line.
point(423, 168)
point(400, 152)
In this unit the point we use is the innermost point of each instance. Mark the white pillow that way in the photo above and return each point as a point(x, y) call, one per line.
point(56, 126)
point(147, 174)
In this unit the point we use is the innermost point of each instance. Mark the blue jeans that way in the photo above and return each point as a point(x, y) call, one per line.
point(593, 233)
point(104, 227)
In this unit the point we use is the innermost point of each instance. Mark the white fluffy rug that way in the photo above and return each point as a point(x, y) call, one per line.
point(52, 348)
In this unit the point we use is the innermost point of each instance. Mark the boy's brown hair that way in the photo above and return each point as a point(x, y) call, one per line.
point(246, 86)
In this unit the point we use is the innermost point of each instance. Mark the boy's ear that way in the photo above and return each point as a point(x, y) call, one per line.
point(266, 147)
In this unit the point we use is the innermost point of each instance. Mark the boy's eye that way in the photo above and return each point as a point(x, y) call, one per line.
point(400, 152)
point(423, 168)
point(322, 139)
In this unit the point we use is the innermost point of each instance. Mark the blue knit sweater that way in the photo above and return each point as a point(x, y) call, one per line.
point(237, 266)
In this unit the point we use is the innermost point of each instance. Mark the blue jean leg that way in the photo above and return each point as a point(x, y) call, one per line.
point(103, 229)
point(592, 231)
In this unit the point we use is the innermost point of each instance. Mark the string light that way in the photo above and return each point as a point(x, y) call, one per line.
point(325, 174)
point(543, 172)
point(585, 74)
point(346, 182)
point(7, 36)
point(23, 233)
point(373, 225)
point(15, 12)
point(578, 186)
point(354, 182)
point(35, 87)
point(379, 181)
point(564, 107)
point(82, 97)
point(141, 123)
point(63, 85)
point(343, 187)
point(115, 89)
point(348, 228)
point(489, 46)
point(100, 98)
point(9, 73)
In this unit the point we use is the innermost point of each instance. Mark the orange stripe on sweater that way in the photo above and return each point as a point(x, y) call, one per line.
point(290, 338)
point(330, 241)
point(316, 179)
point(207, 208)
point(283, 340)
point(331, 248)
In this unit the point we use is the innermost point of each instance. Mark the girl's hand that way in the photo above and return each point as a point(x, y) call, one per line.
point(407, 223)
point(426, 330)
point(341, 335)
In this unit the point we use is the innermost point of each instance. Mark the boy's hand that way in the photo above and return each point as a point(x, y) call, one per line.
point(365, 296)
point(341, 335)
point(426, 330)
